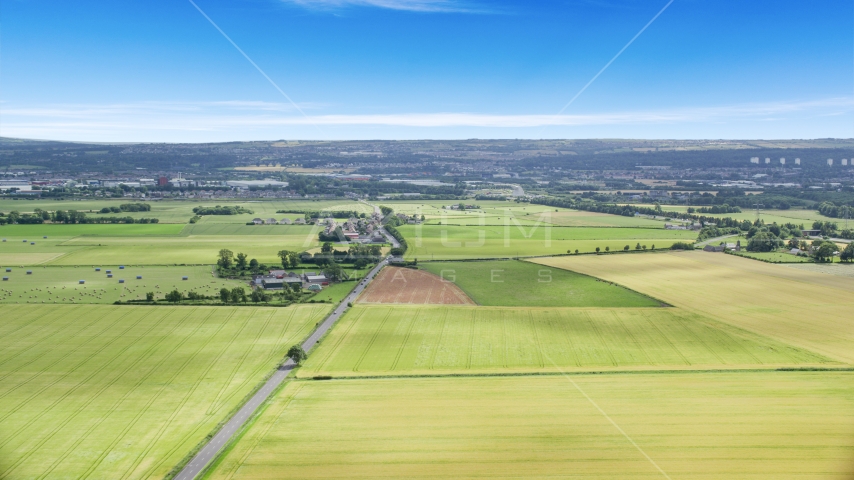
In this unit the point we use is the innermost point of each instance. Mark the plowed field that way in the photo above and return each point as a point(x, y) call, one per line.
point(408, 286)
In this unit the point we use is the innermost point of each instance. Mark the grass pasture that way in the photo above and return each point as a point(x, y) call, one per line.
point(196, 249)
point(775, 257)
point(395, 340)
point(125, 392)
point(758, 426)
point(180, 211)
point(49, 285)
point(499, 213)
point(434, 242)
point(810, 310)
point(514, 283)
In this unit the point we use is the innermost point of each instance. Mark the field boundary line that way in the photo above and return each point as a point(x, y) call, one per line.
point(592, 402)
point(687, 371)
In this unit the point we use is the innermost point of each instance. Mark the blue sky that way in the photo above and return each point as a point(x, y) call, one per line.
point(157, 70)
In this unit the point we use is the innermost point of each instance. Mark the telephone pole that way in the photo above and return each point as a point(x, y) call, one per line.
point(758, 207)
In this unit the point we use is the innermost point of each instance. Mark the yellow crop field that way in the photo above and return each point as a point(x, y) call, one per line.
point(756, 425)
point(807, 309)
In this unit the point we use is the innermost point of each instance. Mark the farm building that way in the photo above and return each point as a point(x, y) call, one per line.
point(299, 221)
point(310, 278)
point(714, 248)
point(271, 221)
point(315, 287)
point(272, 283)
point(257, 221)
point(285, 221)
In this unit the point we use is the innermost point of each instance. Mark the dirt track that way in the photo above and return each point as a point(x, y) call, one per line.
point(415, 287)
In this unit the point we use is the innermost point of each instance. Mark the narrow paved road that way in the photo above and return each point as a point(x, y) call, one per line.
point(222, 437)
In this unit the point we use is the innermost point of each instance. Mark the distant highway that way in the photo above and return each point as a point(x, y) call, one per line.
point(212, 449)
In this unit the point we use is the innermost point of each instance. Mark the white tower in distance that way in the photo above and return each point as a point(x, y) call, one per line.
point(797, 161)
point(767, 161)
point(754, 160)
point(782, 161)
point(844, 162)
point(829, 162)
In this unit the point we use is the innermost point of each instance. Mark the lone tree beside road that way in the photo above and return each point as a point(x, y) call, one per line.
point(297, 354)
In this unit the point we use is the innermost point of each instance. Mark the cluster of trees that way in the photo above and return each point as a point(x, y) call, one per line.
point(630, 210)
point(127, 207)
point(325, 214)
point(767, 238)
point(357, 254)
point(221, 210)
point(717, 209)
point(627, 248)
point(336, 235)
point(227, 260)
point(40, 216)
point(398, 251)
point(832, 210)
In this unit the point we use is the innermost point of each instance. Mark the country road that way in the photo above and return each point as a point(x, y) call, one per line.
point(212, 449)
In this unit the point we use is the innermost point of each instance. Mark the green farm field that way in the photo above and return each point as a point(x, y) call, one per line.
point(776, 257)
point(180, 211)
point(126, 392)
point(795, 215)
point(499, 213)
point(699, 426)
point(141, 244)
point(434, 242)
point(60, 285)
point(433, 340)
point(515, 283)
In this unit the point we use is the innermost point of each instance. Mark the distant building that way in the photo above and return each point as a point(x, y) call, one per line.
point(258, 221)
point(714, 248)
point(271, 221)
point(285, 221)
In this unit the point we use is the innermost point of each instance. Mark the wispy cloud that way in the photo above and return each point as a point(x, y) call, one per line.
point(425, 6)
point(151, 120)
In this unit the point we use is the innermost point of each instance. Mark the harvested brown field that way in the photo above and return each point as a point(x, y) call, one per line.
point(414, 287)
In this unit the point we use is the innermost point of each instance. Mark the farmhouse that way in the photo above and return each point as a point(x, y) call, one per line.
point(271, 221)
point(257, 221)
point(714, 248)
point(285, 221)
